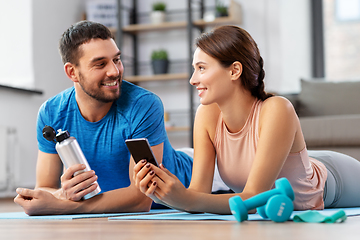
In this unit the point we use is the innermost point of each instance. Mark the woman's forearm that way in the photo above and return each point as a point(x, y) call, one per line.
point(205, 202)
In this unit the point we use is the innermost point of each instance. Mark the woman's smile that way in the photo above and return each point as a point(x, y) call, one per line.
point(201, 91)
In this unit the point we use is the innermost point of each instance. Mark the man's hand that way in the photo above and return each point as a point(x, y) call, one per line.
point(76, 187)
point(38, 202)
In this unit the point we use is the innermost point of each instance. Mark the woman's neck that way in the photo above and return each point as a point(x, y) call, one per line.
point(236, 110)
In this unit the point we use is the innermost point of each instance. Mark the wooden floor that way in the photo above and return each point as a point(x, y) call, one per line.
point(221, 230)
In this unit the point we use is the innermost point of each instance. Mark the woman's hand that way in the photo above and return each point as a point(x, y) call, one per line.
point(76, 187)
point(160, 185)
point(143, 175)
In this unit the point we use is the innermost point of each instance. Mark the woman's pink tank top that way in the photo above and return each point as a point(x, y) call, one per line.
point(236, 153)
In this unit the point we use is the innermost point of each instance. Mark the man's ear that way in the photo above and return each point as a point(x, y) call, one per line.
point(236, 70)
point(70, 71)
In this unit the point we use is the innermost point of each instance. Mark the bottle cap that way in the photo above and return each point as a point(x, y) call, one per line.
point(48, 133)
point(62, 135)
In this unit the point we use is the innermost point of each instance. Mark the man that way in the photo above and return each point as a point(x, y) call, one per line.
point(101, 111)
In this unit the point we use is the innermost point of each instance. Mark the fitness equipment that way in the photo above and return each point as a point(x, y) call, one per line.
point(312, 216)
point(266, 211)
point(277, 209)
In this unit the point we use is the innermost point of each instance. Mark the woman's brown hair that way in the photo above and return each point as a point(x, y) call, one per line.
point(228, 44)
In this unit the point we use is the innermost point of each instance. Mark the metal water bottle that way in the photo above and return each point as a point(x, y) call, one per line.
point(70, 152)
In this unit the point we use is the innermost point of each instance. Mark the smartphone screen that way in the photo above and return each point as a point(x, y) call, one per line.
point(140, 149)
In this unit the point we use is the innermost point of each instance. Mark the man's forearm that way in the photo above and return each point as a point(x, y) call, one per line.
point(127, 199)
point(40, 202)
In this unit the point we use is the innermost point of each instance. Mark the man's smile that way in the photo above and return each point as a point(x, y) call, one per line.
point(110, 84)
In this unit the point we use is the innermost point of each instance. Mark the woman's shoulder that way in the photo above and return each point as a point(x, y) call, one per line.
point(277, 103)
point(277, 109)
point(207, 117)
point(209, 112)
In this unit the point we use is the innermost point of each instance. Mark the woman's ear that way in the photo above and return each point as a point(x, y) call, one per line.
point(236, 70)
point(70, 71)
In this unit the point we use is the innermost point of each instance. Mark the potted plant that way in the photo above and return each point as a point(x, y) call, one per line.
point(158, 13)
point(221, 9)
point(159, 61)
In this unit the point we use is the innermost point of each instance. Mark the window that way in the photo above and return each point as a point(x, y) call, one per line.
point(16, 62)
point(341, 23)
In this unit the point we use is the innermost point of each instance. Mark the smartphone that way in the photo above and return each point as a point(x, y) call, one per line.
point(140, 149)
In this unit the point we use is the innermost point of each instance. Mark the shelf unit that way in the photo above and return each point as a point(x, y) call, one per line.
point(134, 29)
point(177, 129)
point(158, 77)
point(137, 28)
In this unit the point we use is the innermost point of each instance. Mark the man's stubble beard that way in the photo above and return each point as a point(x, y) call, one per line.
point(97, 94)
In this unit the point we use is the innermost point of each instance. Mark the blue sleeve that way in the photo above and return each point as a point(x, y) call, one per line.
point(147, 119)
point(42, 120)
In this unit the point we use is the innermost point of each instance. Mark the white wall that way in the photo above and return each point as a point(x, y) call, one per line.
point(282, 30)
point(19, 110)
point(18, 46)
point(280, 27)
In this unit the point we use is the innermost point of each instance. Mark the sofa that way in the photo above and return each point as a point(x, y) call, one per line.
point(329, 114)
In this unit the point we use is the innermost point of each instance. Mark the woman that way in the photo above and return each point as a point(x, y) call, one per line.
point(255, 136)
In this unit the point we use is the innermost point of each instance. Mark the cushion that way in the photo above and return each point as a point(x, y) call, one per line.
point(321, 98)
point(325, 131)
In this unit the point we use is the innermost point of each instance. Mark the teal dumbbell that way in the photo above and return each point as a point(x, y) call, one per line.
point(278, 208)
point(240, 208)
point(274, 211)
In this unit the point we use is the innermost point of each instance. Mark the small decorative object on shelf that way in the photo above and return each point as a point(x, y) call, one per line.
point(102, 11)
point(209, 16)
point(168, 124)
point(158, 13)
point(221, 9)
point(159, 61)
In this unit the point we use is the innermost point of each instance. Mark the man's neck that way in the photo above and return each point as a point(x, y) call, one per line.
point(91, 109)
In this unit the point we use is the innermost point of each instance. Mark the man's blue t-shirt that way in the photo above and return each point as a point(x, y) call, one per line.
point(138, 113)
